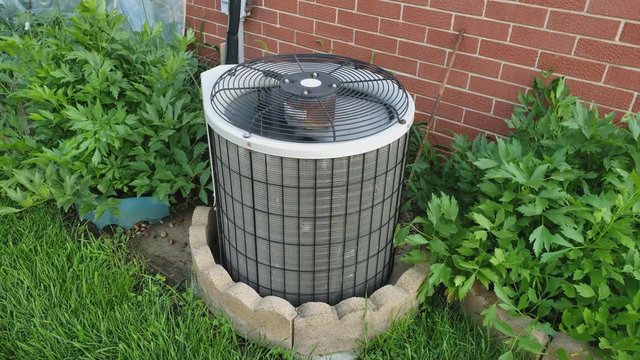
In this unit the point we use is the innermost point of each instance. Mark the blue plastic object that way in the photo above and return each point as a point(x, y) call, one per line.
point(132, 211)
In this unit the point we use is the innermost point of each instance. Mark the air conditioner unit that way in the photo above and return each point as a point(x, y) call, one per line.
point(307, 153)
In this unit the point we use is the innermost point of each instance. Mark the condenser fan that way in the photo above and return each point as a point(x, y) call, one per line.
point(307, 154)
point(309, 98)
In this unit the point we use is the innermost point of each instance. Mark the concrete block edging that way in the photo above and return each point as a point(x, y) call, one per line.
point(479, 299)
point(313, 328)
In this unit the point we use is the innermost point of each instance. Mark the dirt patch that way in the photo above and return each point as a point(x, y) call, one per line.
point(165, 247)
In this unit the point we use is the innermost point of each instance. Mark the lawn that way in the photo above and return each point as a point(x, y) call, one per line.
point(65, 294)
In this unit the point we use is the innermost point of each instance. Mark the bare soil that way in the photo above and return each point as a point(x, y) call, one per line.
point(165, 247)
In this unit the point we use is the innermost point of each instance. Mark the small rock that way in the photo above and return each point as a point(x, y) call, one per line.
point(171, 242)
point(171, 224)
point(163, 234)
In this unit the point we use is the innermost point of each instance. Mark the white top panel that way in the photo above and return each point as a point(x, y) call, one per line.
point(300, 150)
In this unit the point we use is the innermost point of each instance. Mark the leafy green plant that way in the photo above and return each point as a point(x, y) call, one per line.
point(554, 229)
point(434, 170)
point(99, 113)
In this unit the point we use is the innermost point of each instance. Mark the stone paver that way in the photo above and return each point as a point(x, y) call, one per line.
point(573, 349)
point(313, 328)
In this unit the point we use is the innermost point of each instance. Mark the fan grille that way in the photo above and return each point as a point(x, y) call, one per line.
point(309, 98)
point(304, 229)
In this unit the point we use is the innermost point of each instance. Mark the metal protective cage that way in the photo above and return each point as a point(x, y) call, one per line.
point(292, 222)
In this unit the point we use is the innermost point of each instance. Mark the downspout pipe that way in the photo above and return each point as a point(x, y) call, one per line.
point(233, 46)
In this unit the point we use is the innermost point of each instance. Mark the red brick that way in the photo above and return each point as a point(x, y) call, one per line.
point(342, 4)
point(414, 2)
point(350, 50)
point(623, 78)
point(287, 48)
point(487, 122)
point(467, 99)
point(636, 107)
point(264, 15)
point(208, 27)
point(378, 42)
point(295, 22)
point(358, 21)
point(502, 109)
point(319, 12)
point(427, 17)
point(195, 11)
point(471, 7)
point(251, 53)
point(440, 141)
point(577, 5)
point(222, 30)
point(626, 9)
point(495, 88)
point(403, 30)
point(608, 52)
point(600, 94)
point(396, 63)
point(541, 39)
point(617, 113)
point(447, 40)
point(436, 73)
point(290, 6)
point(507, 52)
point(313, 41)
point(480, 27)
point(252, 26)
point(380, 8)
point(191, 23)
point(516, 13)
point(425, 105)
point(215, 16)
point(208, 52)
point(631, 34)
point(447, 111)
point(518, 75)
point(571, 66)
point(334, 31)
point(451, 128)
point(419, 86)
point(278, 32)
point(258, 41)
point(424, 53)
point(204, 3)
point(477, 65)
point(583, 25)
point(450, 112)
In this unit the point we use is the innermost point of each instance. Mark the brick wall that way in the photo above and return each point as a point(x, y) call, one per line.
point(595, 43)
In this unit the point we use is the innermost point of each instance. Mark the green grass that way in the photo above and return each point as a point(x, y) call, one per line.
point(64, 295)
point(438, 332)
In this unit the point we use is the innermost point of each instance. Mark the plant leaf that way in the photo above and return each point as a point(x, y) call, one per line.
point(585, 290)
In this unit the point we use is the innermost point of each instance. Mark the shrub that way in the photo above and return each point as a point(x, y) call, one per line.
point(434, 170)
point(554, 230)
point(97, 112)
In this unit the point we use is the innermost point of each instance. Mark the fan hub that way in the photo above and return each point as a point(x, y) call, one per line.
point(310, 84)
